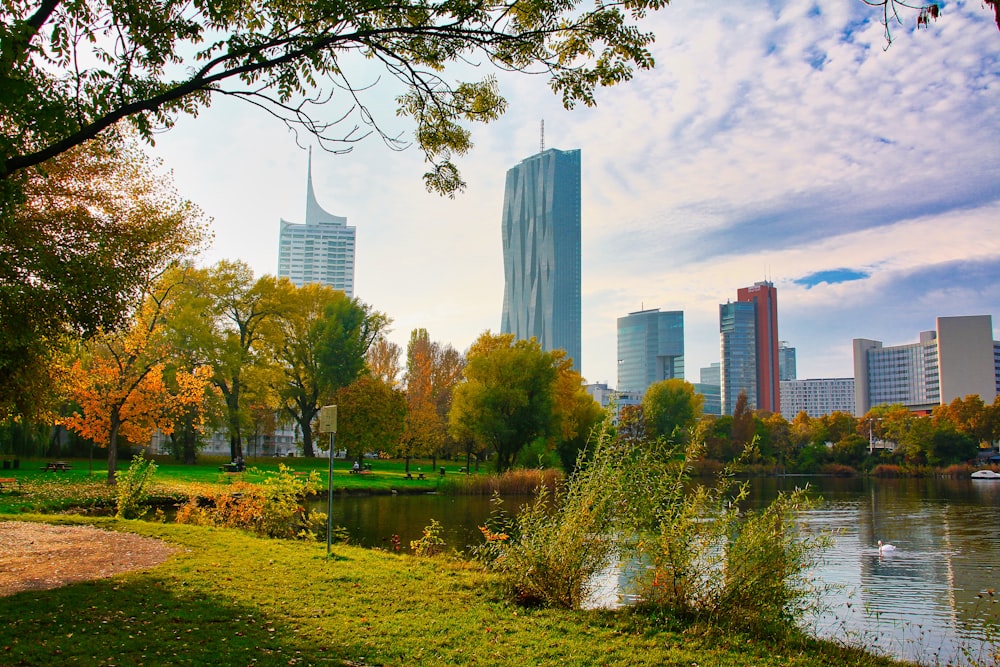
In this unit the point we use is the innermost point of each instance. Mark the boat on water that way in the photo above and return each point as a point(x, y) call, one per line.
point(985, 474)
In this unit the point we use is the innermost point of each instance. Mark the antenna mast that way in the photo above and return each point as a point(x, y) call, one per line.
point(541, 148)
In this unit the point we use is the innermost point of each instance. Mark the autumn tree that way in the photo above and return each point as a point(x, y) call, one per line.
point(508, 396)
point(671, 407)
point(432, 371)
point(383, 361)
point(78, 247)
point(117, 382)
point(370, 417)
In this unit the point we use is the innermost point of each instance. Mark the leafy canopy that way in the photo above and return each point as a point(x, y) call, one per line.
point(72, 70)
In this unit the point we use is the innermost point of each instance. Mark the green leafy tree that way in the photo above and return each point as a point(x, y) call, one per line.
point(342, 337)
point(671, 408)
point(295, 337)
point(508, 397)
point(239, 308)
point(71, 71)
point(370, 417)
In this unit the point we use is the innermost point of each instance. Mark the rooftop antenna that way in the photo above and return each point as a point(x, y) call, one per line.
point(542, 142)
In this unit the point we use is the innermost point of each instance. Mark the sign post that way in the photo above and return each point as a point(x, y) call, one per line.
point(328, 424)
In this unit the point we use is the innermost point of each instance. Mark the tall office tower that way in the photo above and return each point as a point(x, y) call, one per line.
point(958, 358)
point(786, 361)
point(650, 348)
point(319, 251)
point(738, 370)
point(541, 251)
point(710, 388)
point(764, 297)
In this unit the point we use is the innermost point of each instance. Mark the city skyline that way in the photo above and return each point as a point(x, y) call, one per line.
point(780, 143)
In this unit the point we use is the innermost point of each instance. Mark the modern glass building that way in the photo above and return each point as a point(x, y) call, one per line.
point(764, 297)
point(541, 251)
point(650, 348)
point(319, 251)
point(738, 369)
point(786, 361)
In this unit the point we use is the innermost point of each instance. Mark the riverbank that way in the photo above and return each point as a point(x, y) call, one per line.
point(226, 597)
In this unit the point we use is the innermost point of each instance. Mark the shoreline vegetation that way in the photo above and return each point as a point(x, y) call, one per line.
point(230, 596)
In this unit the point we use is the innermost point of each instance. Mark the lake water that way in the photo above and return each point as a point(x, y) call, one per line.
point(925, 602)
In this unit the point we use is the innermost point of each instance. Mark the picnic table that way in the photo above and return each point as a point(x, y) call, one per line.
point(57, 466)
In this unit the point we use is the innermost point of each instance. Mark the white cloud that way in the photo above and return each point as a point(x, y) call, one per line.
point(771, 141)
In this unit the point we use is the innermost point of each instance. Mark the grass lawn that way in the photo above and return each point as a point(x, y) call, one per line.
point(228, 598)
point(84, 483)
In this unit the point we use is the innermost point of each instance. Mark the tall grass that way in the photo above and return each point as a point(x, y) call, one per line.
point(697, 555)
point(522, 482)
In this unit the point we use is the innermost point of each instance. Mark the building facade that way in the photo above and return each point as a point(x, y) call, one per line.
point(710, 388)
point(764, 297)
point(956, 359)
point(786, 362)
point(541, 251)
point(650, 348)
point(817, 398)
point(738, 368)
point(319, 251)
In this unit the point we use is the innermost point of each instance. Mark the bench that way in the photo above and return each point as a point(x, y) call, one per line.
point(56, 466)
point(410, 476)
point(9, 481)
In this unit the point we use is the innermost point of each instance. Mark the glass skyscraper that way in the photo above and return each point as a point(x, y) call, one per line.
point(738, 371)
point(541, 251)
point(650, 348)
point(319, 251)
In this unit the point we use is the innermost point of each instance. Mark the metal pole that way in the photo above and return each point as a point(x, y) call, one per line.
point(329, 500)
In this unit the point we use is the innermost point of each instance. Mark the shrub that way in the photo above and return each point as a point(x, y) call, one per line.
point(131, 488)
point(431, 543)
point(273, 508)
point(700, 555)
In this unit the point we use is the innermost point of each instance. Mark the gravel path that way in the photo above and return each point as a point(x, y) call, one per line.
point(39, 556)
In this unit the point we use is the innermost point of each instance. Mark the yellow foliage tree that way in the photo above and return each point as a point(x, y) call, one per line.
point(118, 385)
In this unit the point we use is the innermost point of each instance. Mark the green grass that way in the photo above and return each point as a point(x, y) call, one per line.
point(84, 486)
point(227, 598)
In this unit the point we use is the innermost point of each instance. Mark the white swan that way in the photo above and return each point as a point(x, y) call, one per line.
point(885, 548)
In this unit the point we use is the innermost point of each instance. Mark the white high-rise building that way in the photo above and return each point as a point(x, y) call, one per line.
point(817, 397)
point(319, 251)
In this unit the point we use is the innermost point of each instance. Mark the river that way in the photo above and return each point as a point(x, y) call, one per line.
point(928, 601)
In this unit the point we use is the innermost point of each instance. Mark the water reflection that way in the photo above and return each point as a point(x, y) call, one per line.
point(922, 602)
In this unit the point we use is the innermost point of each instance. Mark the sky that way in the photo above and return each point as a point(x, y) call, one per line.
point(780, 141)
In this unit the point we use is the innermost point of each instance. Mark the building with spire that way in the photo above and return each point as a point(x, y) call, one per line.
point(541, 251)
point(319, 251)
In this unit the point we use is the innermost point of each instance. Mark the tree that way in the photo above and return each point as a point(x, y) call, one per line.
point(671, 408)
point(71, 71)
point(383, 361)
point(293, 336)
point(118, 383)
point(238, 310)
point(370, 416)
point(432, 371)
point(507, 398)
point(78, 248)
point(342, 337)
point(744, 426)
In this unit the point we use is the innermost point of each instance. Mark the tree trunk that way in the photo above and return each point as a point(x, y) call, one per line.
point(116, 423)
point(307, 439)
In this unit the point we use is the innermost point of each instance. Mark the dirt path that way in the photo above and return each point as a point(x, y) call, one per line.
point(38, 556)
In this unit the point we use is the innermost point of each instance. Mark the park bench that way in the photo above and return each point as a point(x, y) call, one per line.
point(56, 466)
point(9, 482)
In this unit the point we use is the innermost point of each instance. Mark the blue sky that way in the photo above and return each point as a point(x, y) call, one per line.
point(780, 141)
